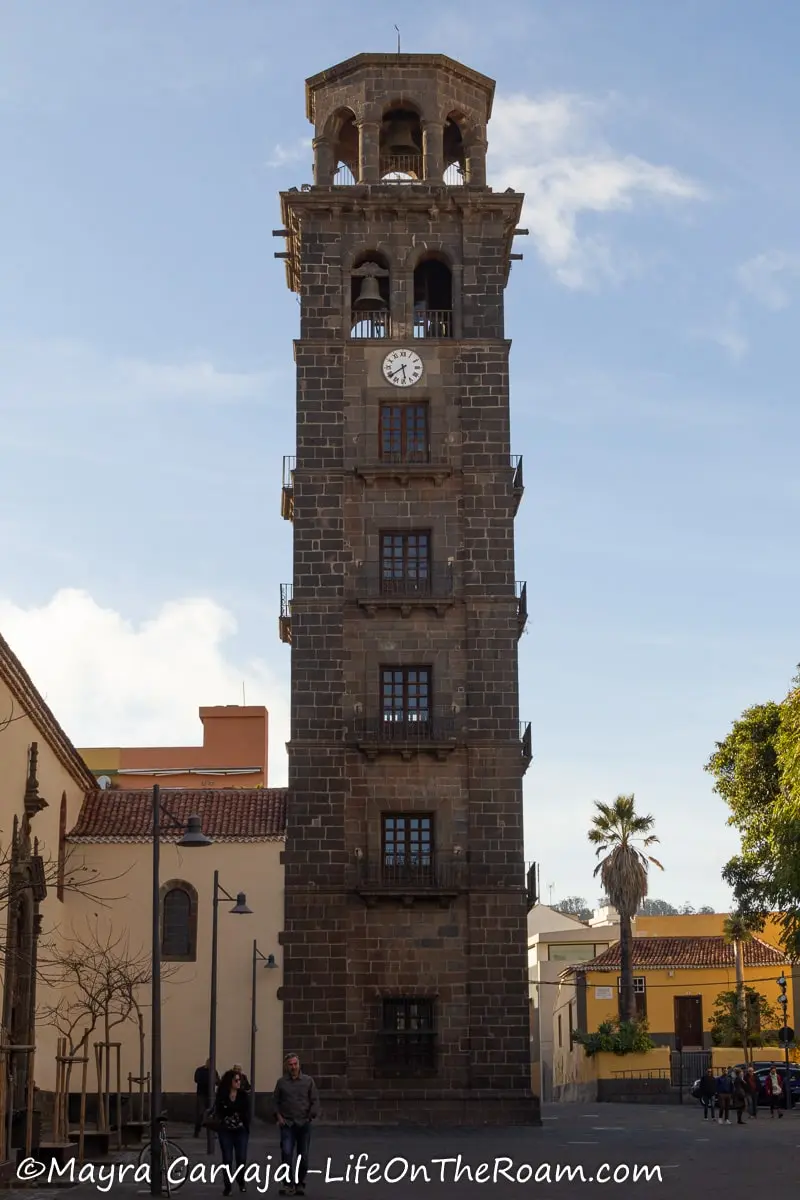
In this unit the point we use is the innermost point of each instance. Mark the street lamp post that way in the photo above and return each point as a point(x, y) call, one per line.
point(239, 909)
point(269, 964)
point(783, 1000)
point(192, 836)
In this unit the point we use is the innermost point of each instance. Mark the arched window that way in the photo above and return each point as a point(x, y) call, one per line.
point(370, 296)
point(401, 145)
point(454, 154)
point(433, 298)
point(342, 135)
point(178, 922)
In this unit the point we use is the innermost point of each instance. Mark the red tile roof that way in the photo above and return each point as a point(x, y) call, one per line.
point(227, 815)
point(690, 952)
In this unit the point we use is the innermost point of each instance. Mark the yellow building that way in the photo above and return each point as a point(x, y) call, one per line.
point(77, 865)
point(676, 981)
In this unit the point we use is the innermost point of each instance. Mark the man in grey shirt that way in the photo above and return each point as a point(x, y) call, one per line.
point(296, 1106)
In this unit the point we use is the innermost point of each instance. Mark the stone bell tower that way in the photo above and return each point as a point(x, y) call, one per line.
point(405, 923)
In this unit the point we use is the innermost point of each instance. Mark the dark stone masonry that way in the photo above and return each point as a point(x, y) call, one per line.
point(405, 907)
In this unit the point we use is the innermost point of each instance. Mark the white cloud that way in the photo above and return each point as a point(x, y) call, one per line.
point(768, 278)
point(731, 339)
point(548, 149)
point(111, 682)
point(67, 373)
point(296, 152)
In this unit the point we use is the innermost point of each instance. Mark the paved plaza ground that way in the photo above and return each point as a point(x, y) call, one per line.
point(694, 1156)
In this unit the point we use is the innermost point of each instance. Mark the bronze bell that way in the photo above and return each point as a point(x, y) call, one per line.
point(369, 297)
point(400, 140)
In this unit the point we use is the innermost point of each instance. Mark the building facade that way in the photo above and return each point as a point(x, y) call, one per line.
point(405, 901)
point(556, 940)
point(234, 753)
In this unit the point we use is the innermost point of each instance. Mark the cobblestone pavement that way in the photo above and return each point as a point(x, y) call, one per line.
point(606, 1142)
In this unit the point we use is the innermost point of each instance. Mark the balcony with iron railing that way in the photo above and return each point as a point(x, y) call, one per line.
point(433, 323)
point(406, 1054)
point(375, 464)
point(526, 744)
point(285, 618)
point(417, 586)
point(430, 731)
point(421, 874)
point(517, 484)
point(370, 325)
point(401, 168)
point(287, 487)
point(522, 607)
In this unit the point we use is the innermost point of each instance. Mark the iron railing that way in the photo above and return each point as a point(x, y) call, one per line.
point(407, 168)
point(370, 324)
point(517, 485)
point(433, 323)
point(420, 581)
point(344, 176)
point(522, 605)
point(406, 1053)
point(287, 487)
point(285, 618)
point(416, 870)
point(532, 885)
point(369, 454)
point(526, 743)
point(410, 729)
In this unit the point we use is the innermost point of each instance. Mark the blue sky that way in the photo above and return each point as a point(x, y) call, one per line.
point(146, 374)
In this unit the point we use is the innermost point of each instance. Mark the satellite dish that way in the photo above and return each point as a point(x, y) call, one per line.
point(104, 782)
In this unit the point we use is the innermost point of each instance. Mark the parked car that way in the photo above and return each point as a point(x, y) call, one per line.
point(762, 1070)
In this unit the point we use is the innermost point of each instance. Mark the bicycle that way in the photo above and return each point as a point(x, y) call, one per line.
point(170, 1153)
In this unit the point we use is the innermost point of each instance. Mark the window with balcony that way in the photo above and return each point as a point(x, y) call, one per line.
point(405, 567)
point(405, 701)
point(403, 434)
point(407, 848)
point(407, 1039)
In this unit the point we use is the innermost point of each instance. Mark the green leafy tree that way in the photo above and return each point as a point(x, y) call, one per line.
point(616, 1037)
point(574, 906)
point(616, 829)
point(756, 771)
point(726, 1022)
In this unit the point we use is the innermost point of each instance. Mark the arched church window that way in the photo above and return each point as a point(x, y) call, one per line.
point(370, 296)
point(433, 298)
point(178, 922)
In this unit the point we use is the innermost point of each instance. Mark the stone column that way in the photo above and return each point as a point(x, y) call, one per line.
point(476, 163)
point(433, 151)
point(369, 152)
point(324, 165)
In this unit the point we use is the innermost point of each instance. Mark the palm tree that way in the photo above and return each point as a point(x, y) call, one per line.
point(623, 873)
point(737, 930)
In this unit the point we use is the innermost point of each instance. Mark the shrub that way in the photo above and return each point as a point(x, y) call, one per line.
point(616, 1037)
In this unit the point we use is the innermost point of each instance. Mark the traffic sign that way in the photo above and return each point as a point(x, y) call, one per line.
point(786, 1035)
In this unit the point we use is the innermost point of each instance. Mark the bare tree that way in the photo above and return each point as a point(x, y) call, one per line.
point(97, 977)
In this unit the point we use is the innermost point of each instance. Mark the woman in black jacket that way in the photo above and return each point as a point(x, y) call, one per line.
point(232, 1111)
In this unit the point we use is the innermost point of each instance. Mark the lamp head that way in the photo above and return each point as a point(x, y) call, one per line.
point(270, 964)
point(781, 982)
point(194, 835)
point(240, 908)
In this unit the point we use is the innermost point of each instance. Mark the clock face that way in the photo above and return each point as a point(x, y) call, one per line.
point(402, 367)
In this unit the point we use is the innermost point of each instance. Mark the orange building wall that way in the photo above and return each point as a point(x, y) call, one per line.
point(234, 753)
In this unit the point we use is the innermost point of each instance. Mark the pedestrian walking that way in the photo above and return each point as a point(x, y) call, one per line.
point(724, 1094)
point(205, 1094)
point(739, 1095)
point(239, 1069)
point(232, 1121)
point(708, 1093)
point(296, 1106)
point(753, 1088)
point(774, 1089)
